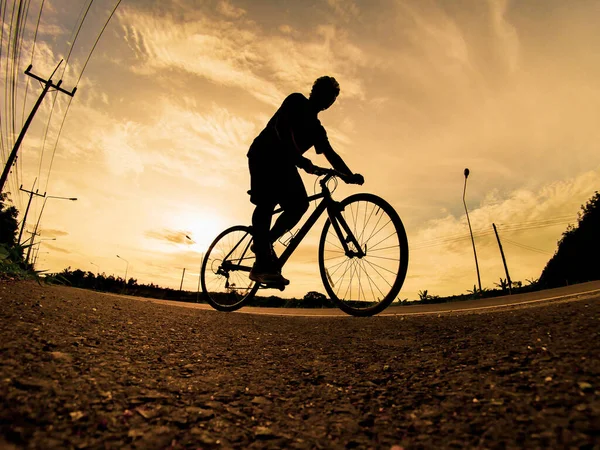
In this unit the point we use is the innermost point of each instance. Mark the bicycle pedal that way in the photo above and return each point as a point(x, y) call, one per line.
point(280, 286)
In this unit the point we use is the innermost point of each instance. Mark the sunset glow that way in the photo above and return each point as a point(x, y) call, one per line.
point(154, 143)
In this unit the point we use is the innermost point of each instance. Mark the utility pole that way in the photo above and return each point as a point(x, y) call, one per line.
point(182, 275)
point(31, 194)
point(503, 260)
point(466, 173)
point(48, 84)
point(30, 246)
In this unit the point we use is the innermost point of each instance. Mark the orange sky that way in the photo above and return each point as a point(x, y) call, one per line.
point(155, 139)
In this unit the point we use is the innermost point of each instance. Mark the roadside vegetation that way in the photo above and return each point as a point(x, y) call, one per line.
point(12, 262)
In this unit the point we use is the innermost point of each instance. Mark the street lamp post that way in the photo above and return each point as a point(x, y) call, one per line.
point(39, 244)
point(37, 224)
point(470, 230)
point(97, 268)
point(126, 267)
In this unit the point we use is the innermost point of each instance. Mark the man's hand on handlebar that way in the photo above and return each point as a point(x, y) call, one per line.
point(355, 178)
point(307, 165)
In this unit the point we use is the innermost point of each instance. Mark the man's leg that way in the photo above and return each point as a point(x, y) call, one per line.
point(261, 223)
point(294, 205)
point(291, 215)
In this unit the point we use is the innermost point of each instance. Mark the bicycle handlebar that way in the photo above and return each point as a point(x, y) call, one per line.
point(330, 173)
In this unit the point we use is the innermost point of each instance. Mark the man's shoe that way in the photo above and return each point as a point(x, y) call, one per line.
point(268, 277)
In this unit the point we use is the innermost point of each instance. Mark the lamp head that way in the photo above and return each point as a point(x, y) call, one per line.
point(467, 173)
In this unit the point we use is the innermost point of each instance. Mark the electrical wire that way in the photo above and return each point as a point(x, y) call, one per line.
point(74, 36)
point(77, 84)
point(526, 247)
point(506, 228)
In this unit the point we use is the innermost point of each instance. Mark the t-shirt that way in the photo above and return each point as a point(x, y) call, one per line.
point(275, 142)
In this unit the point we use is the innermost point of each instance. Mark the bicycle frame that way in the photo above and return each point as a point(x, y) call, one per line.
point(338, 222)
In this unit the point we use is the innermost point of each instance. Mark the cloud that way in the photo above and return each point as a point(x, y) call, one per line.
point(55, 248)
point(235, 52)
point(172, 236)
point(346, 9)
point(228, 10)
point(208, 148)
point(54, 233)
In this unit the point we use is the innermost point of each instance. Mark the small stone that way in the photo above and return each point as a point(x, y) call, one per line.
point(548, 379)
point(60, 356)
point(76, 415)
point(263, 433)
point(135, 433)
point(261, 401)
point(585, 386)
point(146, 413)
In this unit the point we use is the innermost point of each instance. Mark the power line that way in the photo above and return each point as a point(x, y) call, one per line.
point(77, 84)
point(74, 36)
point(527, 247)
point(506, 228)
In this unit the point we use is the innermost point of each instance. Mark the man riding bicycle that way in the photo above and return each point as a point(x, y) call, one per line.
point(273, 159)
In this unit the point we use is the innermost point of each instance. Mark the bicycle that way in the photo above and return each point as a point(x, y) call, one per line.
point(363, 254)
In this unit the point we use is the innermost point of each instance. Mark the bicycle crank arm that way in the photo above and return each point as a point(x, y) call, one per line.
point(229, 266)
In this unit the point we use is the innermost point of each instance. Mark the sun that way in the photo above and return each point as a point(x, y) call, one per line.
point(201, 228)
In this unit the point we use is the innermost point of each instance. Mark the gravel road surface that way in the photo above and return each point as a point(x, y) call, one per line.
point(87, 370)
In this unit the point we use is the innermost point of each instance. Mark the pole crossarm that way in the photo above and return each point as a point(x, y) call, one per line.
point(49, 81)
point(31, 194)
point(48, 84)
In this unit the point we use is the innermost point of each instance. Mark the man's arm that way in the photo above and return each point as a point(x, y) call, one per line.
point(338, 164)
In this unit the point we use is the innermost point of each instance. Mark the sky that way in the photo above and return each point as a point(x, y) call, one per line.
point(154, 141)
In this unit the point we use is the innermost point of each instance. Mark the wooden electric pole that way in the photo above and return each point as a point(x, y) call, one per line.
point(48, 84)
point(503, 260)
point(182, 275)
point(31, 194)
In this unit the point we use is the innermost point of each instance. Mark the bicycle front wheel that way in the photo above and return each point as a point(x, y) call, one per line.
point(225, 270)
point(364, 283)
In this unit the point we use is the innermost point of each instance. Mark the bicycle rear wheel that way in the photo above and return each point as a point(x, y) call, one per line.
point(364, 286)
point(225, 270)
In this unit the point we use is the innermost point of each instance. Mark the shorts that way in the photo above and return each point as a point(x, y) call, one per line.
point(273, 182)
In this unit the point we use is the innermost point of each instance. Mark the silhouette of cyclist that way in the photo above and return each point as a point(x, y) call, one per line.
point(273, 159)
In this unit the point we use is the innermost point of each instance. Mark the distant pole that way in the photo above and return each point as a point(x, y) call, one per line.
point(126, 267)
point(503, 260)
point(182, 275)
point(97, 268)
point(31, 194)
point(39, 244)
point(470, 230)
point(48, 84)
point(37, 224)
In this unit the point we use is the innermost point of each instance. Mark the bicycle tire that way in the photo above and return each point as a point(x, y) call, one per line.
point(224, 287)
point(384, 266)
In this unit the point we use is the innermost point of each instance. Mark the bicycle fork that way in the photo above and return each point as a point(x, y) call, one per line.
point(344, 233)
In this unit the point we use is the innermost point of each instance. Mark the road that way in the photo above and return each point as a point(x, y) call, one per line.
point(518, 300)
point(82, 369)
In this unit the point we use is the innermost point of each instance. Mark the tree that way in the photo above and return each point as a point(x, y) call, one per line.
point(8, 223)
point(577, 258)
point(315, 299)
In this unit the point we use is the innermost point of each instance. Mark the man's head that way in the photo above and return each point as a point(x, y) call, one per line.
point(324, 92)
